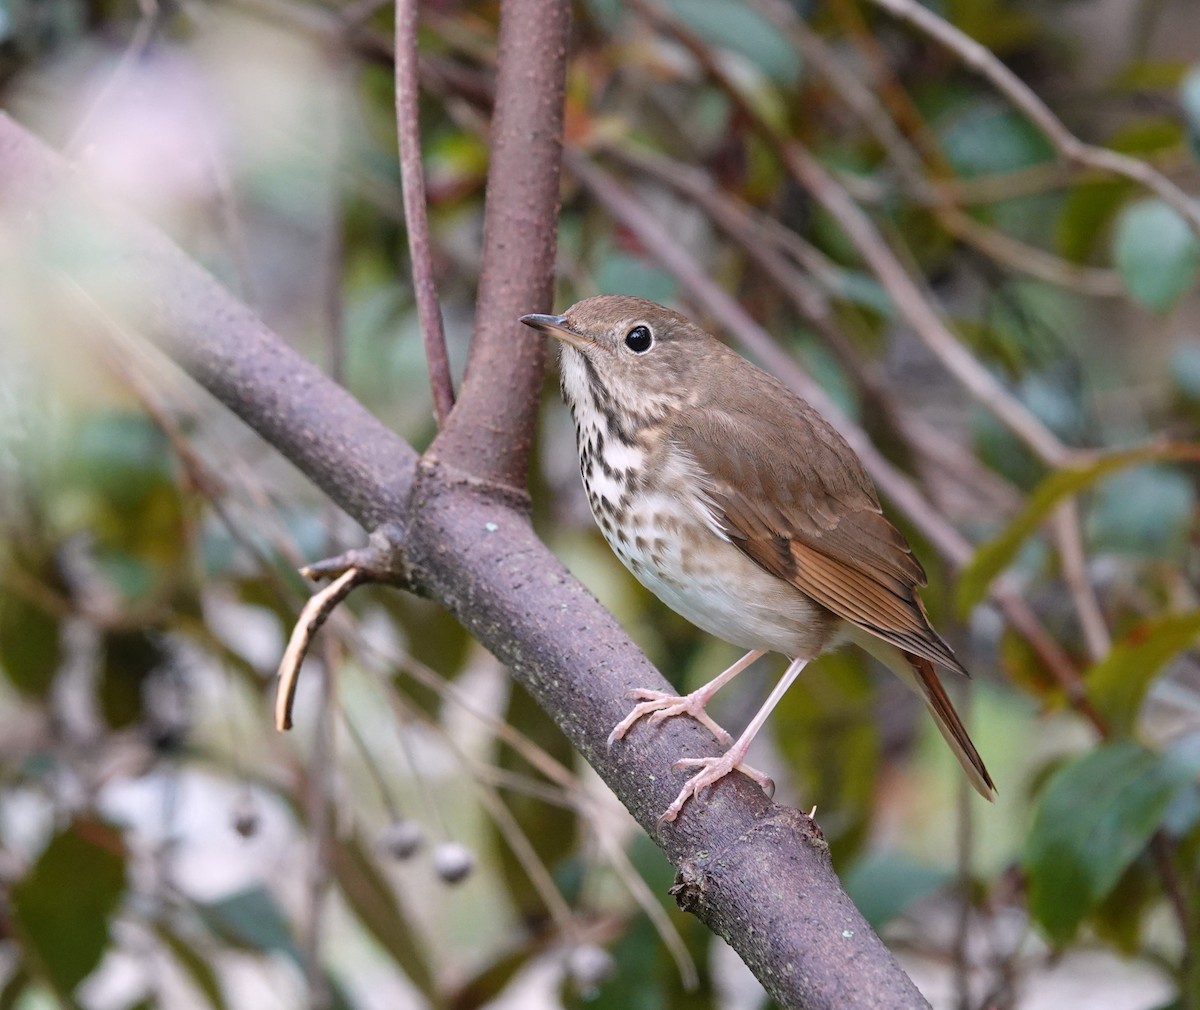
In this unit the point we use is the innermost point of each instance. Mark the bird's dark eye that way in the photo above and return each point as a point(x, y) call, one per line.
point(639, 339)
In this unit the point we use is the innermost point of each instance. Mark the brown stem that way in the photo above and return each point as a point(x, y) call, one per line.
point(412, 180)
point(490, 433)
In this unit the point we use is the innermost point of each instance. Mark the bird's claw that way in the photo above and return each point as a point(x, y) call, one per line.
point(713, 769)
point(659, 705)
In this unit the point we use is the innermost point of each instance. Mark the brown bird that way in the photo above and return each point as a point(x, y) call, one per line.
point(740, 507)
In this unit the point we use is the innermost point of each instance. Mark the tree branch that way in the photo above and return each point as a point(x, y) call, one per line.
point(756, 873)
point(491, 430)
point(1070, 147)
point(416, 220)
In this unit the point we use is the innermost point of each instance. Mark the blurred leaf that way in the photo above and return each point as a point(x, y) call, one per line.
point(863, 290)
point(992, 557)
point(824, 727)
point(734, 24)
point(1185, 369)
point(250, 920)
point(1147, 136)
point(621, 273)
point(373, 899)
point(196, 965)
point(982, 137)
point(1025, 668)
point(1086, 213)
point(992, 23)
point(130, 658)
point(1147, 511)
point(1156, 253)
point(1189, 101)
point(1118, 918)
point(455, 164)
point(1094, 817)
point(1117, 684)
point(1149, 75)
point(120, 455)
point(30, 651)
point(14, 988)
point(489, 983)
point(884, 884)
point(62, 907)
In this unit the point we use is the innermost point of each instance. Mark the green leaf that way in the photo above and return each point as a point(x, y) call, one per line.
point(15, 987)
point(130, 659)
point(373, 899)
point(250, 920)
point(620, 273)
point(991, 558)
point(739, 27)
point(1093, 819)
point(197, 966)
point(825, 731)
point(1117, 684)
point(1156, 253)
point(1146, 511)
point(1185, 370)
point(61, 908)
point(1189, 101)
point(884, 884)
point(29, 645)
point(1085, 216)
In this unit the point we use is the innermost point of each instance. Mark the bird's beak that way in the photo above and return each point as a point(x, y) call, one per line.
point(556, 326)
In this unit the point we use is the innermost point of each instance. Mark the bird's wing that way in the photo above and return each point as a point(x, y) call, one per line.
point(794, 497)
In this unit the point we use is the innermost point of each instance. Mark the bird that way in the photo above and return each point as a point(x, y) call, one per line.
point(740, 507)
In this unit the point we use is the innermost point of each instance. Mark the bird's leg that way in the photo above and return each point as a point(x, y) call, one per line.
point(660, 705)
point(713, 769)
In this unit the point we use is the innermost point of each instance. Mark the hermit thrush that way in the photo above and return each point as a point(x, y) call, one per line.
point(740, 507)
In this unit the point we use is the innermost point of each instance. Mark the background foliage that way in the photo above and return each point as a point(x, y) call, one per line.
point(425, 836)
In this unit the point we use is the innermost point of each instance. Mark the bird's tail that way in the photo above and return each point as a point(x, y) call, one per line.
point(919, 674)
point(925, 680)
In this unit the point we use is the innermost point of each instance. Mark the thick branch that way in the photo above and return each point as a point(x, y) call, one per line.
point(491, 430)
point(756, 873)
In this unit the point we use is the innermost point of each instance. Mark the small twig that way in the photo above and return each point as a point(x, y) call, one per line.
point(315, 613)
point(412, 179)
point(318, 802)
point(143, 35)
point(1069, 537)
point(1070, 147)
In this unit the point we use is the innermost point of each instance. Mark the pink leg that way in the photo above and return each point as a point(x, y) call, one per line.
point(713, 769)
point(660, 705)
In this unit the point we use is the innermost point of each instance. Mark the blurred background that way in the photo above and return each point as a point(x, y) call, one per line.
point(425, 837)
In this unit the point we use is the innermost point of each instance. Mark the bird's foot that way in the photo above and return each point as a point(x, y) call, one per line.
point(659, 705)
point(713, 769)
